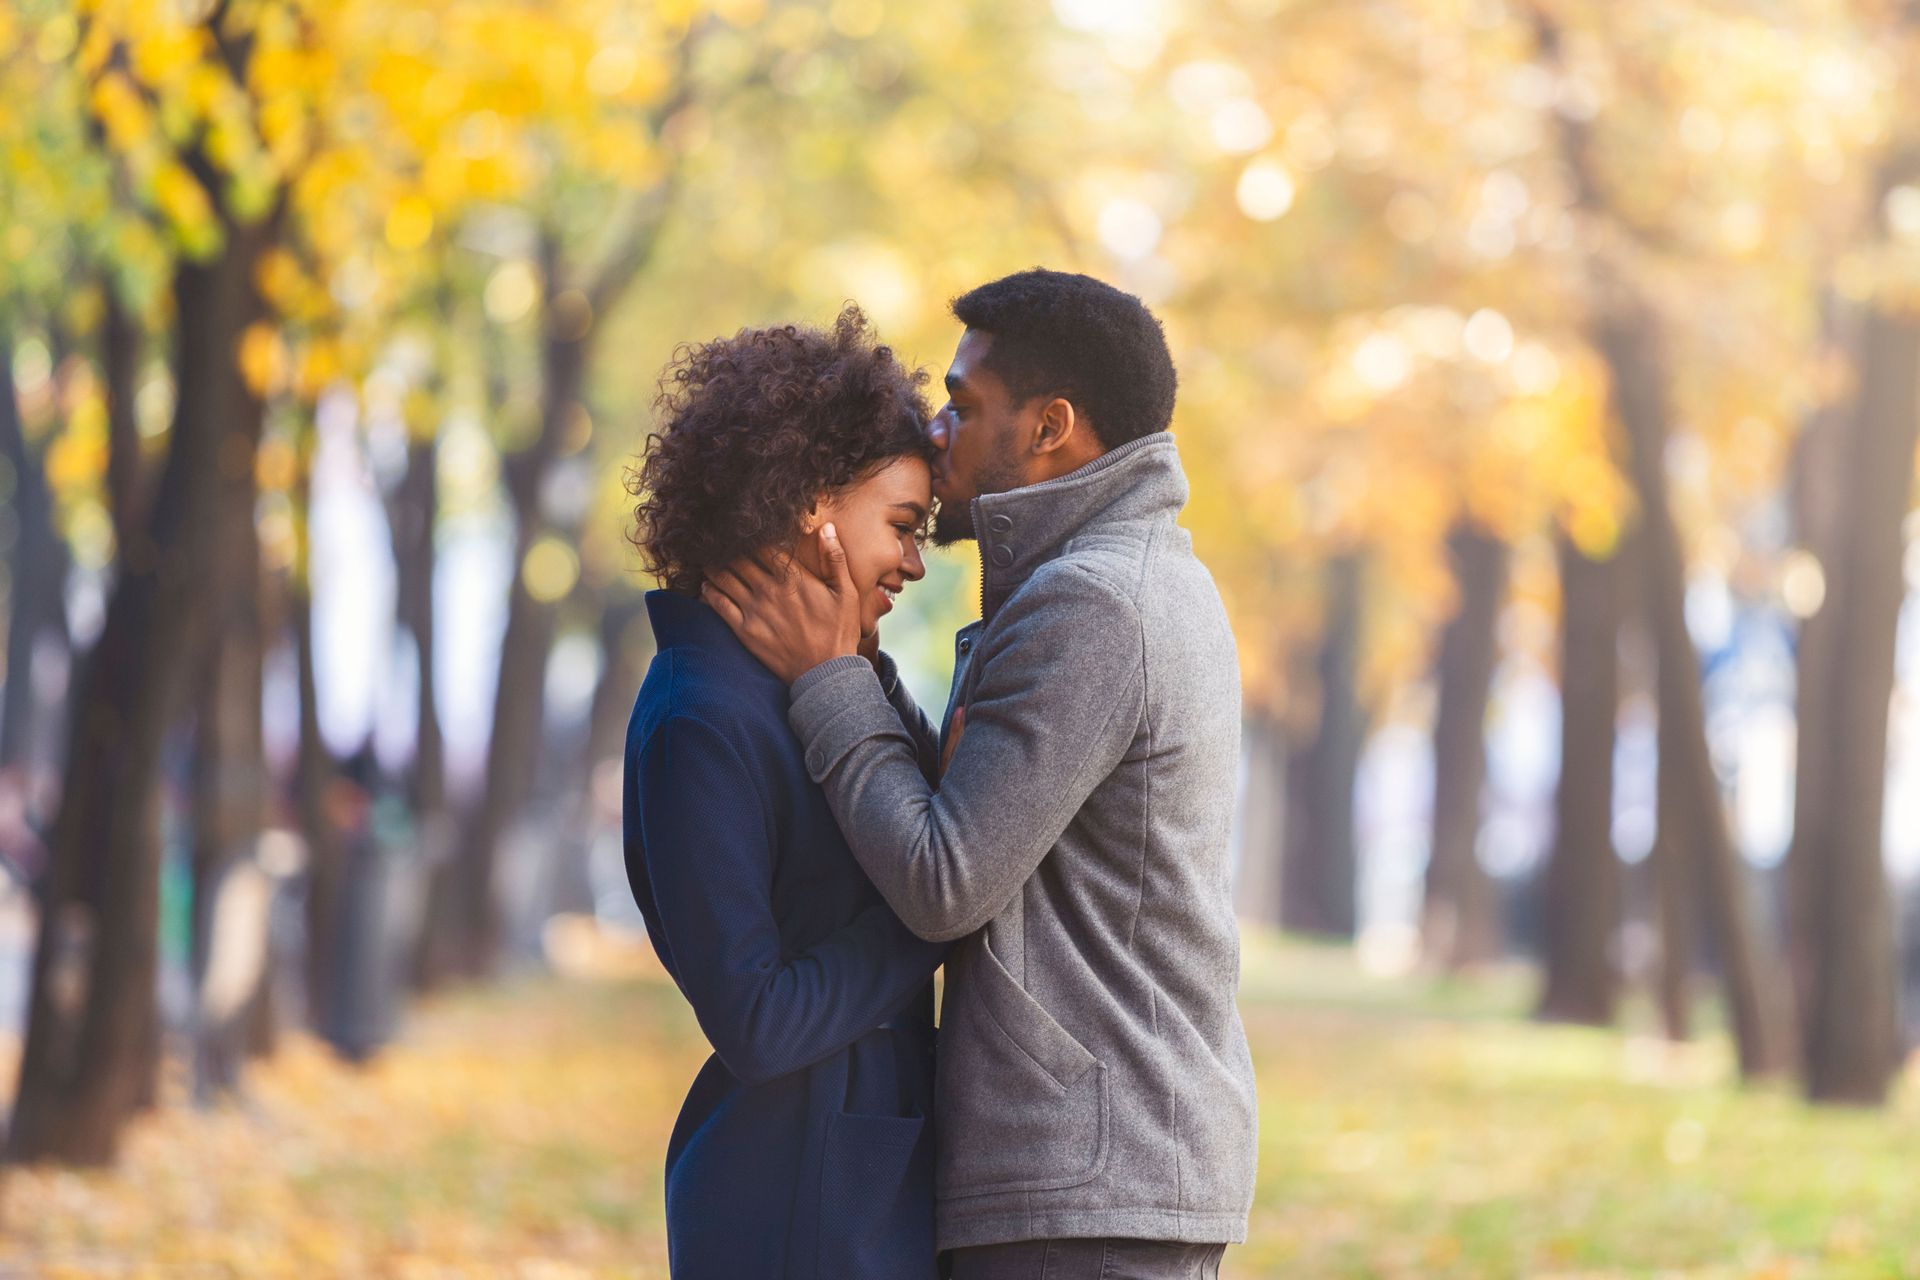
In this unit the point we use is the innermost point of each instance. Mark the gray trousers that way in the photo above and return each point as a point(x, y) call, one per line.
point(1089, 1260)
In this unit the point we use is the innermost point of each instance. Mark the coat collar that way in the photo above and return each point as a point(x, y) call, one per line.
point(682, 622)
point(1022, 529)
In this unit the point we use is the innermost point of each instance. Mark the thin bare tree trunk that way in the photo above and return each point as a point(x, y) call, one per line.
point(412, 514)
point(1459, 921)
point(1319, 879)
point(1257, 894)
point(314, 774)
point(229, 790)
point(461, 934)
point(626, 640)
point(462, 929)
point(120, 341)
point(37, 605)
point(1693, 819)
point(1581, 897)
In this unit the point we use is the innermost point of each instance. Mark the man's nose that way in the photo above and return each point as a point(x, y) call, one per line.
point(937, 432)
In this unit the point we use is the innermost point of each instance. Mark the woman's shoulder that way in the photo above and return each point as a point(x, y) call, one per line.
point(685, 694)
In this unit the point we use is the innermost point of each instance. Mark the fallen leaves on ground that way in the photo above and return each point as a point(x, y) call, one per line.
point(1408, 1129)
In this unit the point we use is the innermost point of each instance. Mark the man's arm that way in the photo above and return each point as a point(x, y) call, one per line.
point(1055, 709)
point(926, 739)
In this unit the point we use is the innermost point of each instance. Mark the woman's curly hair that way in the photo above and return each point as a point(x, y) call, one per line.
point(756, 428)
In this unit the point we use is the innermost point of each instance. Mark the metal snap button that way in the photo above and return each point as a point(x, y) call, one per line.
point(1003, 556)
point(1001, 524)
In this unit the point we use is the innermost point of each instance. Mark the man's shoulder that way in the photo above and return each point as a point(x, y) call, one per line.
point(1091, 578)
point(1127, 558)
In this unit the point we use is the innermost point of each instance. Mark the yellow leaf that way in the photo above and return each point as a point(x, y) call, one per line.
point(263, 359)
point(409, 223)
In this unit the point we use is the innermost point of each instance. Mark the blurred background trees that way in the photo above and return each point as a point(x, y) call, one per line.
point(1549, 388)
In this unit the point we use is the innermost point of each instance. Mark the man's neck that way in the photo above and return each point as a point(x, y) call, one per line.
point(1063, 461)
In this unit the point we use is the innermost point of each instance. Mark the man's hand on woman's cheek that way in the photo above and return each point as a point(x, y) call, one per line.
point(787, 617)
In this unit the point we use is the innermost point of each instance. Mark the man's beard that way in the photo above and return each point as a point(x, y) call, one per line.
point(953, 521)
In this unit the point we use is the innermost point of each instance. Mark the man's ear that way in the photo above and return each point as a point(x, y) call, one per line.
point(1056, 427)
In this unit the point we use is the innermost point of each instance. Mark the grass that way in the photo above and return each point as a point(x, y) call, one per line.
point(1407, 1129)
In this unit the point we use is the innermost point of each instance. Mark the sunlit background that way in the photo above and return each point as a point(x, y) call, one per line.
point(1550, 384)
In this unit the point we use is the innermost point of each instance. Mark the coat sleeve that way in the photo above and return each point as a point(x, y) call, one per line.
point(926, 738)
point(709, 861)
point(1055, 708)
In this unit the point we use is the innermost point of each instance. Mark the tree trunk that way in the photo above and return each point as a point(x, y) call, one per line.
point(40, 559)
point(462, 931)
point(1257, 895)
point(412, 515)
point(1851, 1020)
point(626, 640)
point(1581, 895)
point(91, 1006)
point(1459, 922)
point(229, 788)
point(1693, 821)
point(463, 924)
point(314, 775)
point(120, 368)
point(1820, 507)
point(1318, 892)
point(1694, 832)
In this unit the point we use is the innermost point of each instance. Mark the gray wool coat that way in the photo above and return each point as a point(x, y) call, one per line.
point(1093, 1076)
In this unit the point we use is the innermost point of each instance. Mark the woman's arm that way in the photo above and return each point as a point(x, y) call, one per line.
point(709, 861)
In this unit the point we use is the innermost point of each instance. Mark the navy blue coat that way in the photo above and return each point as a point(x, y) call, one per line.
point(805, 1146)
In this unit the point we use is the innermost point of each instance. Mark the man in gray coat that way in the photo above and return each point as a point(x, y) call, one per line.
point(1095, 1098)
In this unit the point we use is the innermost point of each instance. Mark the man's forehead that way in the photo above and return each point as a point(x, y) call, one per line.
point(966, 367)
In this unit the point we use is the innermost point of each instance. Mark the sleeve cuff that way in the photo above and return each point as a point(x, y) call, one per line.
point(835, 707)
point(826, 670)
point(889, 672)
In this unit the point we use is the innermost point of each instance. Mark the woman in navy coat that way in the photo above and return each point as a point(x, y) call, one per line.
point(804, 1148)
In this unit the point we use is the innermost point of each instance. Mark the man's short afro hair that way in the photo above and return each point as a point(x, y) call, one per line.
point(1060, 334)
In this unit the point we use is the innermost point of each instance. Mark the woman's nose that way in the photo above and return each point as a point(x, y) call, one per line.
point(912, 565)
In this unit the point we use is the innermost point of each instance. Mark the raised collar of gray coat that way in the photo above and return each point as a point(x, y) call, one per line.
point(1022, 529)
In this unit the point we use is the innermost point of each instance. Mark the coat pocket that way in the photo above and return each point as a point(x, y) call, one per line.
point(1023, 1105)
point(876, 1218)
